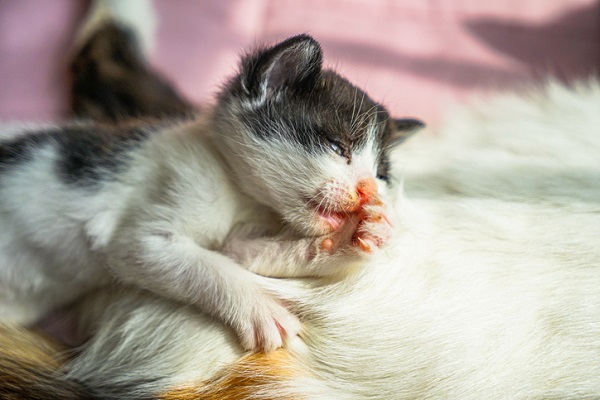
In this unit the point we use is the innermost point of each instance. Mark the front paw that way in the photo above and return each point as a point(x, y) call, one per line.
point(265, 324)
point(340, 240)
point(374, 229)
point(362, 232)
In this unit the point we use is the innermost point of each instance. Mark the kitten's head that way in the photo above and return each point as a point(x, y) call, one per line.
point(302, 139)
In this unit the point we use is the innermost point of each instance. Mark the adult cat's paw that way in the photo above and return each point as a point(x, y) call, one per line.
point(264, 324)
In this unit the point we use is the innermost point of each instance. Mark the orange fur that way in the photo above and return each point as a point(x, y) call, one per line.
point(249, 378)
point(28, 365)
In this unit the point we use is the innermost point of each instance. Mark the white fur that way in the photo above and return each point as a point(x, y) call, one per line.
point(489, 289)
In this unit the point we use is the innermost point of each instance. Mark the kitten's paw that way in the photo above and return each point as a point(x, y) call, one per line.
point(267, 326)
point(362, 232)
point(339, 240)
point(374, 229)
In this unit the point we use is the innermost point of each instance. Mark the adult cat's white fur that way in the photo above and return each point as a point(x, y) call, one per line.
point(489, 289)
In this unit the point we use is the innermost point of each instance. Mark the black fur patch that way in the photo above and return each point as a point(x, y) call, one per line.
point(302, 103)
point(88, 154)
point(282, 93)
point(295, 62)
point(21, 149)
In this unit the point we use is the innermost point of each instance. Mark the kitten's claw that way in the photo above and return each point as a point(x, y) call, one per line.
point(364, 245)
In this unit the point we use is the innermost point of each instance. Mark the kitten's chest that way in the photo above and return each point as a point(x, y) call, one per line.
point(212, 224)
point(210, 217)
point(197, 196)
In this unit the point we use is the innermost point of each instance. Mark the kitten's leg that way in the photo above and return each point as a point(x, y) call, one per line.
point(174, 266)
point(110, 78)
point(286, 256)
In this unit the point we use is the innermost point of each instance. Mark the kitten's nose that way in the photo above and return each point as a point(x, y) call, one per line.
point(367, 190)
point(364, 192)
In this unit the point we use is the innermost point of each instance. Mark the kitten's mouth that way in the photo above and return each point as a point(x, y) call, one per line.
point(329, 220)
point(332, 218)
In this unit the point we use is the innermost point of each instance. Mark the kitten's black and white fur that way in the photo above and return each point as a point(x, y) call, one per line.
point(290, 149)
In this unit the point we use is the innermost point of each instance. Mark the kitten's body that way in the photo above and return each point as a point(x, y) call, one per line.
point(76, 214)
point(290, 149)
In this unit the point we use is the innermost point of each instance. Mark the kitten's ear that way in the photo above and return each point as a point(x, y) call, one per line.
point(404, 128)
point(291, 64)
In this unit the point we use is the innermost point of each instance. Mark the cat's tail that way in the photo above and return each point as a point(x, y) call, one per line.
point(138, 16)
point(29, 365)
point(111, 79)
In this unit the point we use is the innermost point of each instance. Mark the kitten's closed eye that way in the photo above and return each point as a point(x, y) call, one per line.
point(336, 148)
point(340, 150)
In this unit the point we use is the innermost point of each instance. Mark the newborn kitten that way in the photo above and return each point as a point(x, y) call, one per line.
point(290, 149)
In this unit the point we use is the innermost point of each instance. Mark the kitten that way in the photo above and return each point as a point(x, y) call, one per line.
point(291, 149)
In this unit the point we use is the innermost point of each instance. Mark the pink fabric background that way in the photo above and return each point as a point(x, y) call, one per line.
point(417, 56)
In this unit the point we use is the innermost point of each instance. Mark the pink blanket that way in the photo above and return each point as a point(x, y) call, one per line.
point(418, 57)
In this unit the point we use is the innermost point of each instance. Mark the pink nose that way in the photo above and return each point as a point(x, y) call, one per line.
point(367, 190)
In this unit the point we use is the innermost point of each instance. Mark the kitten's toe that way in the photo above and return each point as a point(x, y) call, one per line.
point(374, 230)
point(331, 243)
point(269, 326)
point(281, 326)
